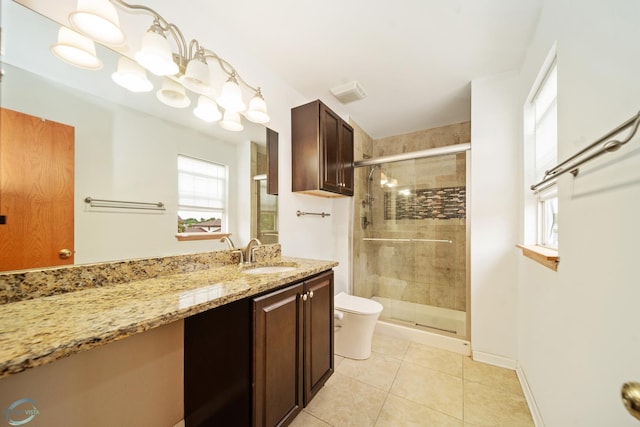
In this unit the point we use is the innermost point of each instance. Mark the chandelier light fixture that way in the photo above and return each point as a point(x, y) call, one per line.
point(187, 68)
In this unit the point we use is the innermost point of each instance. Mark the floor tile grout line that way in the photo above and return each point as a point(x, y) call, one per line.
point(375, 422)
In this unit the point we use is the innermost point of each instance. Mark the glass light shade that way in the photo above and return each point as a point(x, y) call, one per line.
point(131, 76)
point(173, 94)
point(231, 121)
point(98, 19)
point(257, 112)
point(207, 110)
point(196, 77)
point(155, 55)
point(76, 50)
point(231, 96)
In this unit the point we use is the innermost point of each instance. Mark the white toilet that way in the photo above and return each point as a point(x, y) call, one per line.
point(355, 320)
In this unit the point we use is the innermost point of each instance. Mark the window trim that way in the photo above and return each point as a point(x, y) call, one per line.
point(545, 255)
point(193, 236)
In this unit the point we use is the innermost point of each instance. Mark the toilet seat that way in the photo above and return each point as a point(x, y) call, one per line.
point(356, 305)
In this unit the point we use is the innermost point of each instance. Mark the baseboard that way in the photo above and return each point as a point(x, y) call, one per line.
point(492, 359)
point(528, 395)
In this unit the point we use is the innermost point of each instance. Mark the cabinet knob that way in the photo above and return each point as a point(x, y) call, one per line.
point(310, 294)
point(304, 297)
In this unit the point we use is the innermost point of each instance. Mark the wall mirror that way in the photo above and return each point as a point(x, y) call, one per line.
point(125, 148)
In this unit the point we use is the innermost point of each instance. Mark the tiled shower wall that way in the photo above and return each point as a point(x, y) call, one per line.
point(427, 203)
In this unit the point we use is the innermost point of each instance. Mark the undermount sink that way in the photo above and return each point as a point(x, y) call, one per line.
point(271, 269)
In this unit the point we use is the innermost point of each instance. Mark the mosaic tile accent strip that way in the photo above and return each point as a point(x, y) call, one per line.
point(430, 203)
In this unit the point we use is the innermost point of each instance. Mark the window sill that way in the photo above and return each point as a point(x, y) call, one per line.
point(545, 256)
point(186, 237)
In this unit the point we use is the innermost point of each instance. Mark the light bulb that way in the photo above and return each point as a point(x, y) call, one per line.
point(207, 109)
point(76, 50)
point(172, 94)
point(98, 19)
point(131, 76)
point(257, 112)
point(155, 54)
point(231, 121)
point(196, 77)
point(231, 96)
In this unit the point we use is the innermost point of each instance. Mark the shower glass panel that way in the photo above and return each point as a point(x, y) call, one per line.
point(410, 245)
point(267, 212)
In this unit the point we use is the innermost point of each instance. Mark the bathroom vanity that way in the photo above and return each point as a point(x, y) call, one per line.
point(260, 360)
point(240, 330)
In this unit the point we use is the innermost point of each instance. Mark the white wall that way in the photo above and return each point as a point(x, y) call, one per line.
point(494, 213)
point(579, 334)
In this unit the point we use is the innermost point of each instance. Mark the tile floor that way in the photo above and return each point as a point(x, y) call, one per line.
point(408, 384)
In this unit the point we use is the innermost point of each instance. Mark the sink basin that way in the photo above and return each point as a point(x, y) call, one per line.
point(269, 269)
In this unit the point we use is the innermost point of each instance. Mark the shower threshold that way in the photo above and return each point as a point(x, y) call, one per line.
point(423, 316)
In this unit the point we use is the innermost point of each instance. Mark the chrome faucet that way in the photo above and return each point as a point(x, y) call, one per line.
point(249, 255)
point(228, 241)
point(230, 244)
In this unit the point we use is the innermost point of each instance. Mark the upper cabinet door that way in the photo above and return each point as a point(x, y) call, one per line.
point(321, 152)
point(346, 159)
point(330, 128)
point(272, 162)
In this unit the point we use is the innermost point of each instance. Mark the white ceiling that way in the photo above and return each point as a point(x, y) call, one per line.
point(415, 58)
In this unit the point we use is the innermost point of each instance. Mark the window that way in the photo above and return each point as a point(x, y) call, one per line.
point(202, 197)
point(544, 127)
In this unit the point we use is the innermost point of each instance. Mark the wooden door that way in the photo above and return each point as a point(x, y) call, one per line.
point(318, 336)
point(277, 365)
point(36, 191)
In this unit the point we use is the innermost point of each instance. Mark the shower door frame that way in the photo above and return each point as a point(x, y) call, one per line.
point(434, 152)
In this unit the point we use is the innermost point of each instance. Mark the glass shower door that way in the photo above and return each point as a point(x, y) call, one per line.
point(410, 247)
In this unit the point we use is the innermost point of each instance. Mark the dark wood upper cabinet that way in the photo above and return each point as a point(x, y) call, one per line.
point(272, 162)
point(321, 151)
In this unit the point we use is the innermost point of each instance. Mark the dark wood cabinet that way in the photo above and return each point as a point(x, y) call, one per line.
point(293, 349)
point(258, 361)
point(272, 162)
point(217, 366)
point(318, 334)
point(321, 151)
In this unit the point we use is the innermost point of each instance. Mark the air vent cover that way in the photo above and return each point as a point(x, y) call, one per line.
point(349, 92)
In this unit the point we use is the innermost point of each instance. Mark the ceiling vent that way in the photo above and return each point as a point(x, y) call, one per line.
point(349, 92)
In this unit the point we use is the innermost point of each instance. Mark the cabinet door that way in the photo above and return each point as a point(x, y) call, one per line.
point(346, 159)
point(330, 150)
point(277, 365)
point(318, 337)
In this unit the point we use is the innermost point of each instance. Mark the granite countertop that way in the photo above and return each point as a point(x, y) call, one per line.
point(38, 331)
